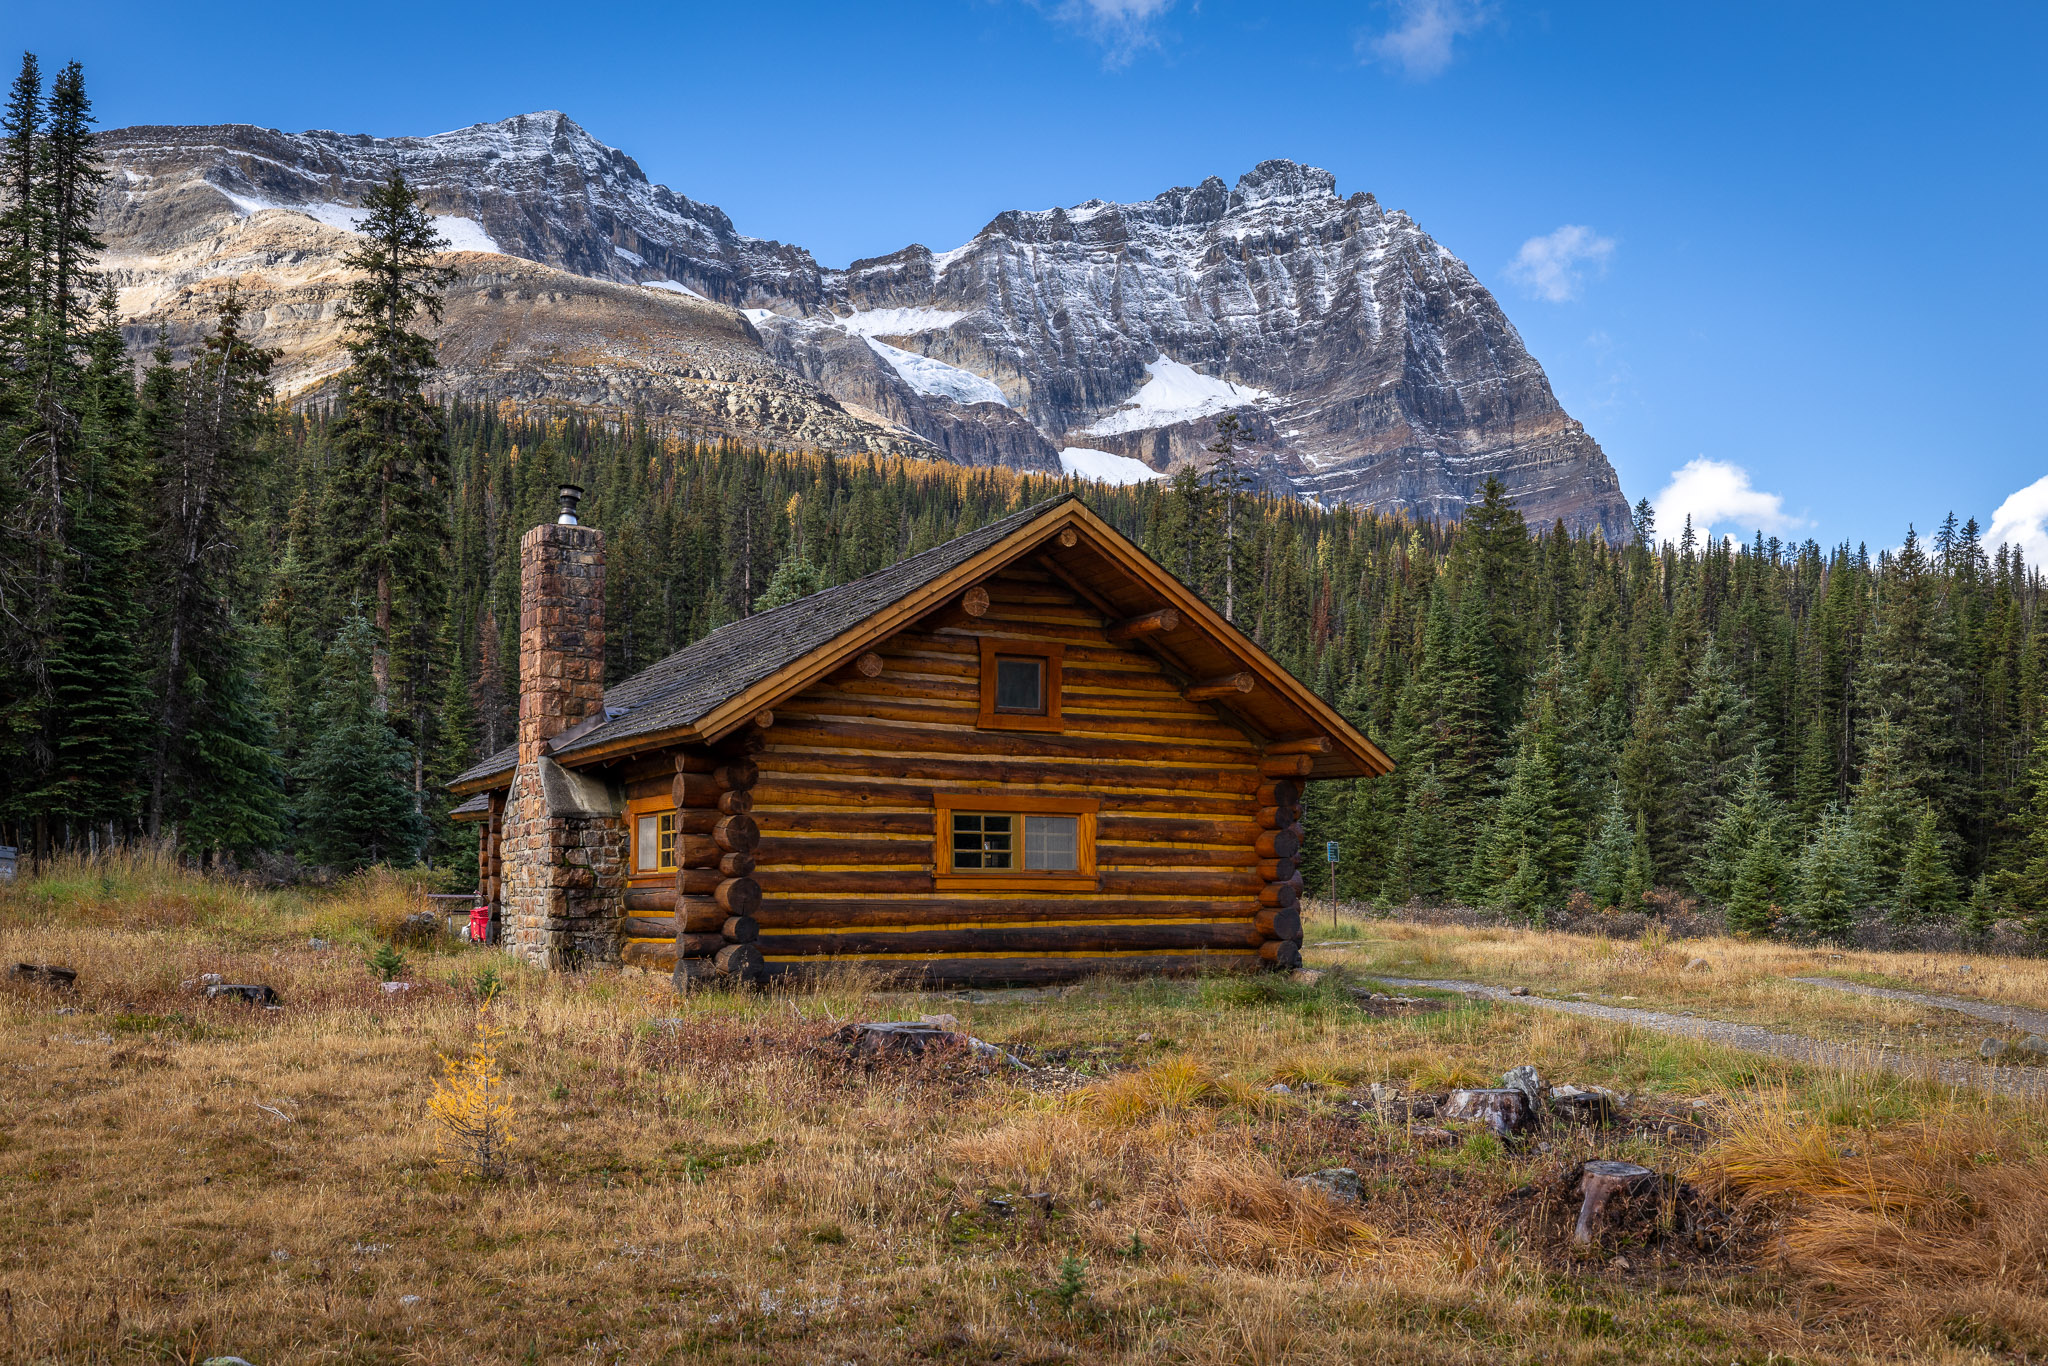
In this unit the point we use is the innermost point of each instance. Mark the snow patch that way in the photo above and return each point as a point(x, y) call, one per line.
point(937, 378)
point(674, 287)
point(635, 257)
point(463, 234)
point(1175, 393)
point(898, 322)
point(1104, 468)
point(757, 316)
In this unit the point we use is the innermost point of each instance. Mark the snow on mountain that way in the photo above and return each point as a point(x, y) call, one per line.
point(1173, 393)
point(461, 234)
point(674, 287)
point(1105, 468)
point(937, 378)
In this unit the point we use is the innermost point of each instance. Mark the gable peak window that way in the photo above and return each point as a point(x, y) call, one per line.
point(1020, 684)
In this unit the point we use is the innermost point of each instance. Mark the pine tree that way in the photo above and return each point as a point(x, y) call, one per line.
point(1751, 813)
point(1228, 477)
point(1882, 809)
point(1715, 749)
point(2025, 887)
point(1762, 884)
point(1535, 837)
point(385, 524)
point(212, 744)
point(1831, 878)
point(358, 806)
point(1604, 863)
point(796, 577)
point(1927, 888)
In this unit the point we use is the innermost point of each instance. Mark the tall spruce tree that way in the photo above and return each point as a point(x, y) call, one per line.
point(358, 806)
point(386, 507)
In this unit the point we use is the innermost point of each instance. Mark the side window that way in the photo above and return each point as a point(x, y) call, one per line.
point(654, 842)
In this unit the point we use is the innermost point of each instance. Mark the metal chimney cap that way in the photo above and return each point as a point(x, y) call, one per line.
point(570, 496)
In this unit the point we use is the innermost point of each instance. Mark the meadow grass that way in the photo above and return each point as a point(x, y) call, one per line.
point(711, 1178)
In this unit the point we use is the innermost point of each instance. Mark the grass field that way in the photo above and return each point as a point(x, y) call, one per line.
point(715, 1179)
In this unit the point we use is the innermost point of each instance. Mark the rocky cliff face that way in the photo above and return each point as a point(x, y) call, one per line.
point(1367, 362)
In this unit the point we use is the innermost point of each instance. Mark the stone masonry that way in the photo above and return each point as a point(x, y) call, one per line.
point(564, 874)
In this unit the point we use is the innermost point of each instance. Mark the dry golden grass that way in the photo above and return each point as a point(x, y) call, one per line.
point(1745, 980)
point(709, 1179)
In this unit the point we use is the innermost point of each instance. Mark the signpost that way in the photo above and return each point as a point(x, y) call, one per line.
point(1331, 855)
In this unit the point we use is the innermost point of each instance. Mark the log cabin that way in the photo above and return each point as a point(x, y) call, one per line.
point(1027, 754)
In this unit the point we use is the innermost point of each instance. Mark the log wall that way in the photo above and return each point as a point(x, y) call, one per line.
point(1196, 830)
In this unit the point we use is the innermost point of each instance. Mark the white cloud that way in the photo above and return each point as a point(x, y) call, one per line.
point(1550, 267)
point(1122, 26)
point(2022, 520)
point(1718, 493)
point(1422, 40)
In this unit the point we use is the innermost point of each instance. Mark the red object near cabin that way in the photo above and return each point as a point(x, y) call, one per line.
point(480, 925)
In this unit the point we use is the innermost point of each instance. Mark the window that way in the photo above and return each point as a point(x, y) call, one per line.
point(654, 842)
point(995, 840)
point(1020, 684)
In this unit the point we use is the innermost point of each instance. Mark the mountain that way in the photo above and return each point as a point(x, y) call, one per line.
point(1365, 361)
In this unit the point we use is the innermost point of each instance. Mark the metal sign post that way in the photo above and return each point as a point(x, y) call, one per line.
point(1331, 854)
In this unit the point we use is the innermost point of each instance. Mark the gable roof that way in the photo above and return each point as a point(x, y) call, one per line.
point(711, 687)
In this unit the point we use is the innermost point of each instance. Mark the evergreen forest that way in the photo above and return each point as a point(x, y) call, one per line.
point(268, 633)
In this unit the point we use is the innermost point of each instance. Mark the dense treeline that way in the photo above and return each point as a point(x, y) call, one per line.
point(266, 633)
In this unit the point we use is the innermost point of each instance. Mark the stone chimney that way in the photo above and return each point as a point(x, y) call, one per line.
point(563, 859)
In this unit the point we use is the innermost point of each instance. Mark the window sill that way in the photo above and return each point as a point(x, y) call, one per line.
point(1015, 882)
point(1020, 720)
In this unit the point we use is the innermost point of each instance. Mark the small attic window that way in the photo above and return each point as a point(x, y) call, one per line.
point(1020, 684)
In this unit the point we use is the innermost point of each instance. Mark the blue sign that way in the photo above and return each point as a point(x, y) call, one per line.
point(1332, 855)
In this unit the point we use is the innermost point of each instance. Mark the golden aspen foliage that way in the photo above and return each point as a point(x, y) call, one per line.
point(471, 1108)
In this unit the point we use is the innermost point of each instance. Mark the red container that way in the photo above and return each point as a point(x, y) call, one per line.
point(480, 925)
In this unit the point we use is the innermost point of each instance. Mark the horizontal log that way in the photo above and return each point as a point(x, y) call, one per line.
point(1308, 744)
point(1287, 766)
point(702, 821)
point(974, 602)
point(737, 896)
point(1278, 817)
point(1174, 856)
point(763, 719)
point(1122, 826)
point(658, 900)
point(786, 849)
point(1281, 953)
point(743, 961)
point(661, 955)
point(777, 826)
point(1224, 685)
point(733, 774)
point(1279, 922)
point(1026, 971)
point(698, 918)
point(867, 912)
point(1085, 715)
point(792, 780)
point(1233, 934)
point(1214, 779)
point(844, 881)
point(1276, 869)
point(736, 865)
point(700, 943)
point(1149, 624)
point(736, 834)
point(888, 737)
point(1279, 894)
point(1068, 537)
point(1280, 792)
point(868, 665)
point(1277, 844)
point(705, 789)
point(740, 929)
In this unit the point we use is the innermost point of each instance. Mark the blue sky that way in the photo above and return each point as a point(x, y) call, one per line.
point(1785, 262)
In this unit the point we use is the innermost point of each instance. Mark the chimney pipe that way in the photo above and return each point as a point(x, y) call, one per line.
point(569, 497)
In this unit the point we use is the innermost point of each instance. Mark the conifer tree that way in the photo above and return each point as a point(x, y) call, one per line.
point(358, 805)
point(1762, 883)
point(1604, 863)
point(1882, 809)
point(385, 524)
point(212, 745)
point(796, 577)
point(1228, 477)
point(1831, 878)
point(1927, 888)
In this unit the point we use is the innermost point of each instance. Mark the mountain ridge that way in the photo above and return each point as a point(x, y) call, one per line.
point(1366, 362)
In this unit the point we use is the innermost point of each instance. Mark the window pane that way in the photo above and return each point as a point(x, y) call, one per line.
point(667, 842)
point(1020, 685)
point(980, 841)
point(645, 846)
point(1052, 843)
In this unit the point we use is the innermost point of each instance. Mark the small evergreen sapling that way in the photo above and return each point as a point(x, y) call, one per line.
point(387, 964)
point(1073, 1282)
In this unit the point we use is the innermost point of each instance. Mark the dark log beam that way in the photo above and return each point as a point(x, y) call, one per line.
point(1224, 685)
point(1150, 624)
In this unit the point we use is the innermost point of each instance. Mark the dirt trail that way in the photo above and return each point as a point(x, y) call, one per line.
point(2017, 1017)
point(2019, 1081)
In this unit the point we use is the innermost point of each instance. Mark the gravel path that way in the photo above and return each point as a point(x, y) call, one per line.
point(1753, 1039)
point(2017, 1017)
